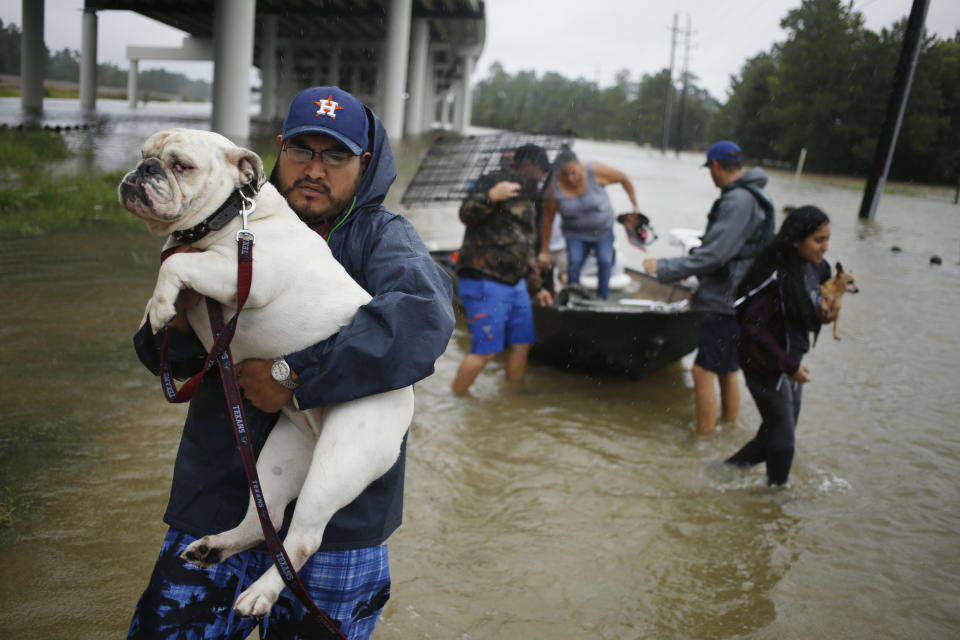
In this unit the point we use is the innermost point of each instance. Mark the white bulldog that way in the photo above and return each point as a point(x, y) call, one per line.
point(299, 296)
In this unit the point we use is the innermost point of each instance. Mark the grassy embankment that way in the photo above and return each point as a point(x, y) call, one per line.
point(40, 204)
point(70, 93)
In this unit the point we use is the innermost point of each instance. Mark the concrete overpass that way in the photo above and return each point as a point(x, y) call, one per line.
point(404, 58)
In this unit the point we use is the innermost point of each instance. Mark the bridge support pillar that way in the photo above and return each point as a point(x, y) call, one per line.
point(88, 61)
point(396, 56)
point(132, 87)
point(32, 58)
point(233, 22)
point(417, 79)
point(268, 69)
point(464, 94)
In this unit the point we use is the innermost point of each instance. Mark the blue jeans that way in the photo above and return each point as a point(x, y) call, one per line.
point(577, 250)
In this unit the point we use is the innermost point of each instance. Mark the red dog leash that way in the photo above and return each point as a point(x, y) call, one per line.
point(220, 354)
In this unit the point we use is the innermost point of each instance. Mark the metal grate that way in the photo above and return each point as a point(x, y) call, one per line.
point(454, 163)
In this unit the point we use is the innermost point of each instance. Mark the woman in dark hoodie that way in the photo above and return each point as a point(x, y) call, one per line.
point(778, 306)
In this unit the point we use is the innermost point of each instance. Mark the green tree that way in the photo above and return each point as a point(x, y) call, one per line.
point(750, 116)
point(826, 89)
point(819, 68)
point(64, 65)
point(648, 108)
point(927, 144)
point(553, 103)
point(9, 49)
point(110, 75)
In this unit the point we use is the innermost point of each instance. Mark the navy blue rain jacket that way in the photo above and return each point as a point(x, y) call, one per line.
point(393, 341)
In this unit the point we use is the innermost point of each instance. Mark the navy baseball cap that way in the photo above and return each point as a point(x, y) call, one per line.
point(723, 150)
point(331, 111)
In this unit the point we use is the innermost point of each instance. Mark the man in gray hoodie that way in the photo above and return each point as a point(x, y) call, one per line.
point(738, 223)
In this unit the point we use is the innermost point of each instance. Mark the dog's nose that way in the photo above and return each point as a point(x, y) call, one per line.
point(150, 167)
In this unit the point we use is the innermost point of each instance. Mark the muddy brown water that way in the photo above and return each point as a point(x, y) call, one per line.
point(568, 507)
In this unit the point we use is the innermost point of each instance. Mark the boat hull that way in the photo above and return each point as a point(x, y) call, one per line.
point(622, 336)
point(623, 342)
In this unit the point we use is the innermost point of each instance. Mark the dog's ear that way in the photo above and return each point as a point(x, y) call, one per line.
point(249, 164)
point(839, 268)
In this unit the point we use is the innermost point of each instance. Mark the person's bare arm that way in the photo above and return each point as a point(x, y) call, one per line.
point(546, 228)
point(606, 174)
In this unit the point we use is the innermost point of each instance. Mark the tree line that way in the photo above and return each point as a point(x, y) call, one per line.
point(65, 65)
point(824, 89)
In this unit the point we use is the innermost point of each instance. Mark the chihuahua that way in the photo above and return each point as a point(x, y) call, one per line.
point(842, 282)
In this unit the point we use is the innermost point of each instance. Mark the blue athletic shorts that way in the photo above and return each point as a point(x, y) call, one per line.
point(499, 315)
point(185, 602)
point(718, 344)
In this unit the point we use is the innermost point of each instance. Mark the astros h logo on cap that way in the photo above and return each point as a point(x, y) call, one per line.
point(331, 111)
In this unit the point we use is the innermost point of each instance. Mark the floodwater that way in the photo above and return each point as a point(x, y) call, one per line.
point(568, 507)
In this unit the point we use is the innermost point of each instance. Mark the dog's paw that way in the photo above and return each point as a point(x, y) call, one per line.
point(202, 553)
point(161, 312)
point(256, 601)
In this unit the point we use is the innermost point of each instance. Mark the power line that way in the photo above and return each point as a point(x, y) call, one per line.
point(718, 27)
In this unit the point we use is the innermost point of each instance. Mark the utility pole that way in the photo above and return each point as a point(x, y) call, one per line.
point(683, 92)
point(890, 129)
point(669, 96)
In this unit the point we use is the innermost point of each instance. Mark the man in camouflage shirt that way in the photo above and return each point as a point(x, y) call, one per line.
point(497, 269)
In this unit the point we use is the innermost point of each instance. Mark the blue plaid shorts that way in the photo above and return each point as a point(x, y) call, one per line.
point(186, 602)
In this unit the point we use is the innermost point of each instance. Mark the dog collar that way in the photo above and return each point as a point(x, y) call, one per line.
point(226, 212)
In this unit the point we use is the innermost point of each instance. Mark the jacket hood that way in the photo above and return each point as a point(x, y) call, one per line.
point(381, 170)
point(754, 175)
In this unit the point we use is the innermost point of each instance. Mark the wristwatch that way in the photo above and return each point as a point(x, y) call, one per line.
point(281, 372)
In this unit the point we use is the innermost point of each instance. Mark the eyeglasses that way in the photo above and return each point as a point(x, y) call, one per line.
point(329, 157)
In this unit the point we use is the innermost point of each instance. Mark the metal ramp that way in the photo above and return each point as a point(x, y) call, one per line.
point(453, 164)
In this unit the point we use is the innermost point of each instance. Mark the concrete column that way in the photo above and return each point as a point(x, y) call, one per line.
point(429, 111)
point(445, 108)
point(333, 75)
point(419, 47)
point(355, 80)
point(456, 108)
point(232, 58)
point(464, 93)
point(395, 67)
point(32, 57)
point(132, 88)
point(88, 61)
point(268, 68)
point(288, 86)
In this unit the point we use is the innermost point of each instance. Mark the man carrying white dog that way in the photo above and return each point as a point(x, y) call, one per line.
point(334, 168)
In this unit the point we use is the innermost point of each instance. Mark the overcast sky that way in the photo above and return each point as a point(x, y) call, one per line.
point(592, 39)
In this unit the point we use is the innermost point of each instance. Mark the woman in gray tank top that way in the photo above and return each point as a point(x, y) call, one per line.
point(577, 193)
